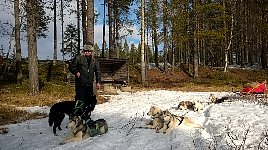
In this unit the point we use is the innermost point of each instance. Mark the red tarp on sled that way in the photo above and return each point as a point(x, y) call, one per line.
point(260, 89)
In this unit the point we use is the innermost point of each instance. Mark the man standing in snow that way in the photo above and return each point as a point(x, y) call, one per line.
point(85, 67)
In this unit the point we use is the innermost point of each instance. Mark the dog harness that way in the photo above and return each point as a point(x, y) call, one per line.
point(79, 108)
point(154, 116)
point(181, 119)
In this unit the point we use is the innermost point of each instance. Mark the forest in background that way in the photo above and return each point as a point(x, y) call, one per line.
point(177, 33)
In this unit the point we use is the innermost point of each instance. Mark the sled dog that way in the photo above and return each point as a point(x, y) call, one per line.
point(57, 113)
point(212, 98)
point(186, 105)
point(171, 121)
point(80, 130)
point(154, 110)
point(156, 122)
point(198, 106)
point(217, 100)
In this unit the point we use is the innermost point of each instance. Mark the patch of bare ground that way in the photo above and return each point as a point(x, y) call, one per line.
point(12, 115)
point(209, 80)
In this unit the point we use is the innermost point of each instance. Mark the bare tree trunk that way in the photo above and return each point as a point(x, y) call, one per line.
point(165, 35)
point(110, 28)
point(263, 42)
point(62, 36)
point(84, 21)
point(78, 25)
point(55, 33)
point(225, 42)
point(32, 48)
point(142, 44)
point(116, 28)
point(90, 22)
point(147, 49)
point(228, 47)
point(195, 53)
point(103, 29)
point(230, 42)
point(17, 40)
point(202, 51)
point(172, 41)
point(154, 30)
point(155, 48)
point(196, 45)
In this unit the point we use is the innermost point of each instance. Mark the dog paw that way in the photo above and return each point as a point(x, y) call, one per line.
point(62, 143)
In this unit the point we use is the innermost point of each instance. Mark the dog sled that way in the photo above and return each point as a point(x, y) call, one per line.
point(252, 92)
point(254, 88)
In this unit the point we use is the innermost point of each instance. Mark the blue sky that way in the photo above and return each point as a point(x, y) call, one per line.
point(45, 46)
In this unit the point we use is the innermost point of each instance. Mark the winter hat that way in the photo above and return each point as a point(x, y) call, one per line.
point(88, 48)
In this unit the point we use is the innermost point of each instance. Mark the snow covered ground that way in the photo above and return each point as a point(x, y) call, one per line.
point(228, 125)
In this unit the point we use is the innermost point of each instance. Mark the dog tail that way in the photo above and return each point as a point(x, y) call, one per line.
point(188, 122)
point(50, 118)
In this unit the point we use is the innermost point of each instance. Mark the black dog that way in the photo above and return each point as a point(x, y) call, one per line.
point(57, 113)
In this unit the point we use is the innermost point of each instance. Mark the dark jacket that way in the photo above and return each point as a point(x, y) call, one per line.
point(87, 69)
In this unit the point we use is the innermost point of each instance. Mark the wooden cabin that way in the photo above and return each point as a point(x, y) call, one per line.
point(113, 71)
